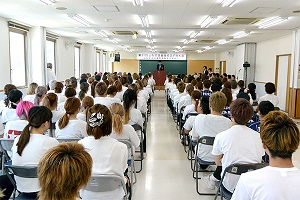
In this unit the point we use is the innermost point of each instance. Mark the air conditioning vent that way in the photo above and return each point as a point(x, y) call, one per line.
point(205, 41)
point(130, 33)
point(239, 21)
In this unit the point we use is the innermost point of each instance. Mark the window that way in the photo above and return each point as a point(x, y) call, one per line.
point(77, 62)
point(17, 46)
point(50, 53)
point(104, 62)
point(98, 60)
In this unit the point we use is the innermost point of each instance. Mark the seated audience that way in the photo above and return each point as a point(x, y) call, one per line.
point(68, 125)
point(40, 92)
point(101, 91)
point(86, 104)
point(196, 95)
point(9, 113)
point(109, 156)
point(50, 101)
point(180, 87)
point(239, 138)
point(84, 88)
point(111, 93)
point(270, 89)
point(281, 179)
point(70, 92)
point(63, 171)
point(30, 94)
point(141, 102)
point(5, 102)
point(30, 146)
point(206, 87)
point(254, 97)
point(187, 99)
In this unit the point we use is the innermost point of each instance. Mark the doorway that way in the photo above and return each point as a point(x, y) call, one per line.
point(282, 80)
point(222, 67)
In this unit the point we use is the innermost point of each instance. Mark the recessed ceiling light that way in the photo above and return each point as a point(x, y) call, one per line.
point(61, 8)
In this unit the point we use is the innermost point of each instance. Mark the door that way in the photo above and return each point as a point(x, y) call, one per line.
point(282, 80)
point(222, 67)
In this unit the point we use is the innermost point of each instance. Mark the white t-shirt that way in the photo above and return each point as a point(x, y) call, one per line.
point(61, 106)
point(268, 183)
point(208, 125)
point(57, 115)
point(61, 98)
point(103, 100)
point(109, 157)
point(239, 144)
point(50, 75)
point(114, 100)
point(35, 149)
point(81, 116)
point(141, 104)
point(144, 94)
point(9, 114)
point(121, 93)
point(177, 98)
point(135, 117)
point(187, 110)
point(14, 128)
point(30, 98)
point(188, 125)
point(128, 134)
point(74, 129)
point(184, 101)
point(270, 97)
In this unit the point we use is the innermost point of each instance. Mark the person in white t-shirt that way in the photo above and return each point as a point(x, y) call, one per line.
point(30, 146)
point(270, 89)
point(180, 86)
point(123, 131)
point(68, 125)
point(281, 179)
point(196, 95)
point(9, 113)
point(141, 102)
point(210, 125)
point(186, 100)
point(50, 73)
point(30, 94)
point(70, 92)
point(50, 101)
point(15, 128)
point(101, 91)
point(86, 104)
point(111, 93)
point(109, 156)
point(63, 171)
point(239, 144)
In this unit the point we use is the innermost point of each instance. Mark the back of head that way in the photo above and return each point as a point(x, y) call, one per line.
point(111, 90)
point(206, 83)
point(265, 107)
point(87, 102)
point(23, 108)
point(118, 85)
point(101, 88)
point(63, 171)
point(117, 112)
point(241, 111)
point(73, 79)
point(199, 85)
point(97, 78)
point(241, 83)
point(217, 101)
point(58, 87)
point(228, 95)
point(8, 87)
point(270, 88)
point(50, 100)
point(31, 88)
point(279, 134)
point(134, 87)
point(91, 80)
point(15, 97)
point(37, 116)
point(84, 87)
point(72, 105)
point(74, 84)
point(123, 80)
point(129, 98)
point(227, 84)
point(84, 76)
point(243, 95)
point(70, 92)
point(40, 91)
point(233, 84)
point(52, 84)
point(99, 121)
point(204, 104)
point(190, 88)
point(180, 86)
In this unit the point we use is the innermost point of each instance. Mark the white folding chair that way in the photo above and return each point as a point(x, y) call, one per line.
point(5, 146)
point(139, 128)
point(60, 140)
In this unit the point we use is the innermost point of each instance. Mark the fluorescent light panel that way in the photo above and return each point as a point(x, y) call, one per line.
point(144, 20)
point(228, 3)
point(113, 40)
point(194, 34)
point(241, 34)
point(208, 20)
point(138, 2)
point(187, 41)
point(148, 34)
point(271, 22)
point(101, 33)
point(48, 2)
point(150, 41)
point(223, 41)
point(80, 19)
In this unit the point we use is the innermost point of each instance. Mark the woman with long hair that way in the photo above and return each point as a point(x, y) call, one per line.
point(5, 102)
point(109, 156)
point(141, 102)
point(50, 101)
point(40, 92)
point(30, 146)
point(86, 104)
point(68, 126)
point(84, 88)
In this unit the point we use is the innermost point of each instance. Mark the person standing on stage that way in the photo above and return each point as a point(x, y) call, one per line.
point(160, 66)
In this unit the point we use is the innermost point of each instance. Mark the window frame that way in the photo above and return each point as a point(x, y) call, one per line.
point(55, 54)
point(79, 70)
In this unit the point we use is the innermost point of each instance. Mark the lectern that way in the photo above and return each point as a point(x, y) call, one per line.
point(159, 77)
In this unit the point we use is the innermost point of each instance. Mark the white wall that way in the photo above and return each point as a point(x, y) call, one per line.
point(240, 58)
point(89, 59)
point(4, 54)
point(230, 59)
point(266, 57)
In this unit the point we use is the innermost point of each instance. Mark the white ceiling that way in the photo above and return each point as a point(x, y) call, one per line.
point(171, 21)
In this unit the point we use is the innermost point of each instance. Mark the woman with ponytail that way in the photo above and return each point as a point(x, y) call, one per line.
point(40, 92)
point(111, 94)
point(86, 103)
point(14, 128)
point(68, 125)
point(84, 88)
point(9, 113)
point(132, 114)
point(109, 156)
point(121, 130)
point(30, 147)
point(50, 101)
point(196, 95)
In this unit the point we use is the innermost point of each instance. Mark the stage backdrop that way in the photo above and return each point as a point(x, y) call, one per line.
point(174, 67)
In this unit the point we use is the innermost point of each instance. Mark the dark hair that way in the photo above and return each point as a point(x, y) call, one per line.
point(70, 92)
point(58, 87)
point(84, 87)
point(74, 84)
point(241, 83)
point(189, 88)
point(72, 105)
point(101, 88)
point(270, 88)
point(252, 87)
point(15, 97)
point(265, 107)
point(196, 95)
point(129, 98)
point(204, 103)
point(243, 95)
point(93, 85)
point(7, 89)
point(233, 84)
point(83, 81)
point(97, 78)
point(111, 89)
point(199, 85)
point(37, 115)
point(106, 127)
point(118, 85)
point(207, 83)
point(241, 111)
point(228, 95)
point(50, 100)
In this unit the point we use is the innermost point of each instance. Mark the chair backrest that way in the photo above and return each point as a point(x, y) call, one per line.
point(137, 127)
point(238, 169)
point(190, 114)
point(105, 183)
point(6, 144)
point(22, 171)
point(206, 140)
point(60, 140)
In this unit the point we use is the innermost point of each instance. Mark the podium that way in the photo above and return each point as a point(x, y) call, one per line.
point(159, 77)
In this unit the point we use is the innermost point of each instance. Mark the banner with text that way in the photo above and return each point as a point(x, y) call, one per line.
point(161, 56)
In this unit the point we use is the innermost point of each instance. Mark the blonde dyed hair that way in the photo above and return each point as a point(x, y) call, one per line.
point(218, 101)
point(31, 88)
point(117, 112)
point(63, 171)
point(280, 134)
point(72, 105)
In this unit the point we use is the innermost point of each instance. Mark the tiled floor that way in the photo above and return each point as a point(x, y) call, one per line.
point(166, 173)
